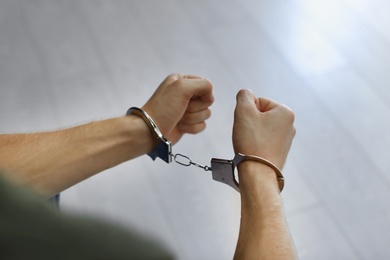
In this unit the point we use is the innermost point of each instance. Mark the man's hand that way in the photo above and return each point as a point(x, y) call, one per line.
point(262, 127)
point(181, 105)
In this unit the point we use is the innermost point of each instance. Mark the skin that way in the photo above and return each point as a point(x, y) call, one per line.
point(51, 162)
point(263, 128)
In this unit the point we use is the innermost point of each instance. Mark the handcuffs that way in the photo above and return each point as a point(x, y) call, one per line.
point(222, 170)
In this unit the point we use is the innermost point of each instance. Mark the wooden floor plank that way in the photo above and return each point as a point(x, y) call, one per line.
point(25, 102)
point(327, 61)
point(314, 228)
point(306, 49)
point(375, 14)
point(366, 51)
point(61, 38)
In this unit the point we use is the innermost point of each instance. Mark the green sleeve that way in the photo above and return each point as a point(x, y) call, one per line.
point(30, 228)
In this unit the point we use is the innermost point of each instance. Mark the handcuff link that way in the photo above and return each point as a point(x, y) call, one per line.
point(222, 170)
point(187, 161)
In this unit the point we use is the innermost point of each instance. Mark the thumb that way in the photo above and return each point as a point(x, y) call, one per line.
point(245, 97)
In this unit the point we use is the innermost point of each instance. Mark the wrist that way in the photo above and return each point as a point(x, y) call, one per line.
point(162, 146)
point(260, 194)
point(257, 176)
point(278, 174)
point(139, 137)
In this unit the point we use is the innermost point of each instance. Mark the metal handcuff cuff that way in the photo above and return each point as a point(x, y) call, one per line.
point(222, 170)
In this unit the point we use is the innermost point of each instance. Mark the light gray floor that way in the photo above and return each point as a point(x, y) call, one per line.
point(68, 62)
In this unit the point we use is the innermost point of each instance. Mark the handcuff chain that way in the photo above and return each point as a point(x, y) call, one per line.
point(187, 161)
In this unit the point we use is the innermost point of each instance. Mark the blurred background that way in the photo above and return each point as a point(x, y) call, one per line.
point(64, 63)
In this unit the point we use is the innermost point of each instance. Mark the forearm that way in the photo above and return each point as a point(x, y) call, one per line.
point(263, 233)
point(53, 161)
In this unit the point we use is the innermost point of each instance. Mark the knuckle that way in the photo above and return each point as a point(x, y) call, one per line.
point(192, 129)
point(197, 116)
point(173, 76)
point(188, 117)
point(289, 114)
point(208, 115)
point(205, 114)
point(179, 83)
point(200, 127)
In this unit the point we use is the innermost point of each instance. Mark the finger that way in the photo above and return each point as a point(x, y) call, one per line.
point(246, 102)
point(192, 128)
point(246, 99)
point(197, 117)
point(176, 76)
point(245, 96)
point(197, 105)
point(186, 76)
point(170, 79)
point(196, 88)
point(265, 104)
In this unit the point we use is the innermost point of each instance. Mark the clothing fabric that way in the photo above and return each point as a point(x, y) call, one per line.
point(31, 228)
